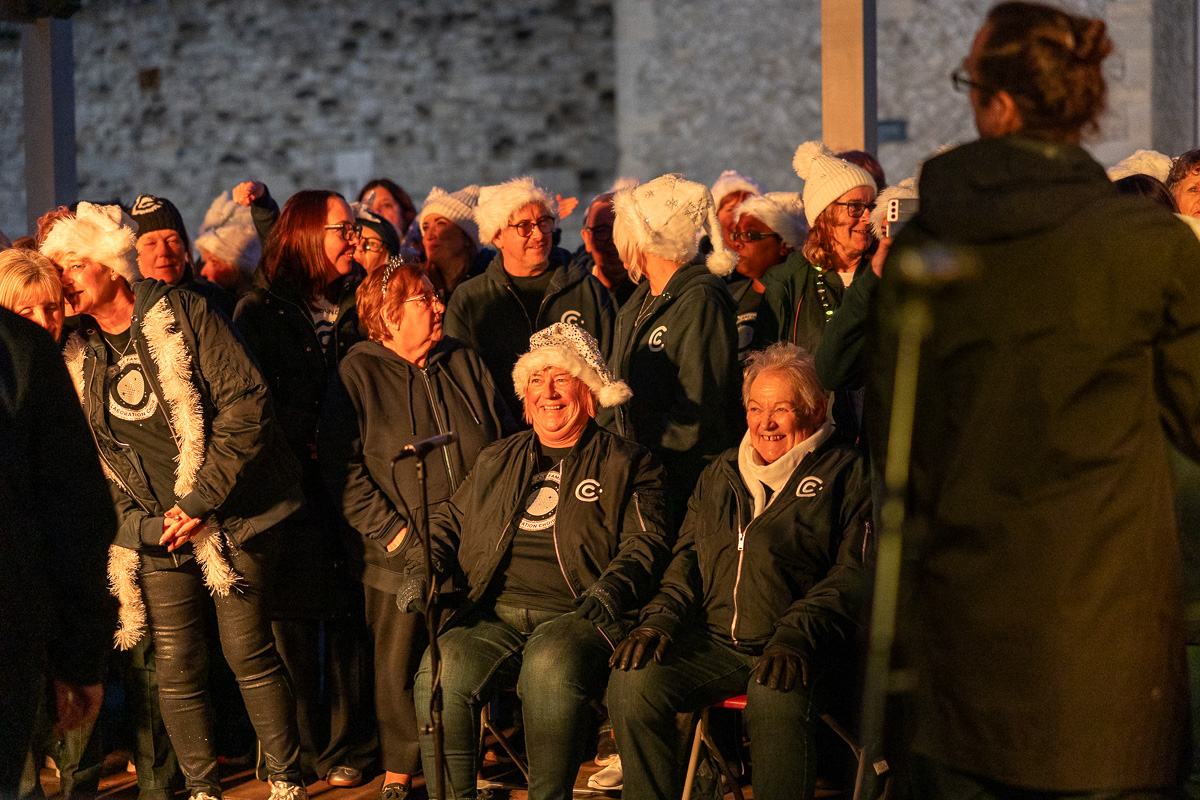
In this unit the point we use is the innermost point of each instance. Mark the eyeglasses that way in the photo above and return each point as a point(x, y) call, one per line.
point(599, 230)
point(961, 81)
point(753, 236)
point(856, 209)
point(372, 245)
point(349, 232)
point(525, 227)
point(427, 299)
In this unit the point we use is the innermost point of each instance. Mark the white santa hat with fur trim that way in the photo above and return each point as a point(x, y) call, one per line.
point(782, 212)
point(666, 217)
point(498, 203)
point(102, 233)
point(733, 181)
point(571, 348)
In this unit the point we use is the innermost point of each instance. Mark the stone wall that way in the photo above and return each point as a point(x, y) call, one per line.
point(185, 99)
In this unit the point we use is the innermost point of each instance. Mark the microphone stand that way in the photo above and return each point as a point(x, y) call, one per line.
point(924, 272)
point(435, 656)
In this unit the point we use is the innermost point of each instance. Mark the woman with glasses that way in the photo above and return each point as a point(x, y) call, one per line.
point(299, 320)
point(405, 384)
point(802, 295)
point(377, 239)
point(767, 230)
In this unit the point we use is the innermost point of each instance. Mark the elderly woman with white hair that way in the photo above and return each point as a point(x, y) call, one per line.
point(200, 474)
point(559, 535)
point(763, 596)
point(676, 340)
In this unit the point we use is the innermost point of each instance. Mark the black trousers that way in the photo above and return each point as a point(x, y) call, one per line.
point(175, 600)
point(22, 687)
point(400, 641)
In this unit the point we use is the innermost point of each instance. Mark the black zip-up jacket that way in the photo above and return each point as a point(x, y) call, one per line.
point(248, 478)
point(610, 531)
point(794, 575)
point(382, 403)
point(485, 313)
point(681, 363)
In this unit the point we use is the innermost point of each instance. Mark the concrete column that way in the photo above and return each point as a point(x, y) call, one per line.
point(48, 67)
point(848, 91)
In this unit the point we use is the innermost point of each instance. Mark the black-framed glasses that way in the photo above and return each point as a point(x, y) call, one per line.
point(752, 236)
point(348, 231)
point(372, 245)
point(854, 208)
point(525, 226)
point(960, 79)
point(426, 299)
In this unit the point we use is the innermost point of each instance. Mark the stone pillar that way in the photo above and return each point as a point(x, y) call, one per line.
point(48, 67)
point(848, 91)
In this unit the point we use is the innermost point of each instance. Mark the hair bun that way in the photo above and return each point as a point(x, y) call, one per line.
point(1092, 44)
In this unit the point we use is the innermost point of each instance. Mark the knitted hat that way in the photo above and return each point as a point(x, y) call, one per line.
point(782, 212)
point(904, 190)
point(826, 177)
point(733, 181)
point(228, 233)
point(666, 216)
point(1142, 162)
point(573, 349)
point(458, 207)
point(102, 233)
point(158, 214)
point(369, 219)
point(498, 203)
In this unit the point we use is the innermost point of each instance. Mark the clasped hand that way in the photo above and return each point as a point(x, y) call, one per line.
point(179, 528)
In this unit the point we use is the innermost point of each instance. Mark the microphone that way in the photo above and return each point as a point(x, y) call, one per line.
point(426, 446)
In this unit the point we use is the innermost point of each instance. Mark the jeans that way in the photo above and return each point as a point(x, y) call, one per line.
point(174, 608)
point(697, 672)
point(559, 663)
point(933, 780)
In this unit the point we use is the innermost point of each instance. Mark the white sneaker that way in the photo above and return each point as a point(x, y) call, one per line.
point(609, 779)
point(282, 790)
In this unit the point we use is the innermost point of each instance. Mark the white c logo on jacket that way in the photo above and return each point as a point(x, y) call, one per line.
point(571, 317)
point(588, 490)
point(809, 486)
point(656, 338)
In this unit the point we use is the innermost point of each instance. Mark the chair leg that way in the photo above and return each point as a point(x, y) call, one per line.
point(690, 777)
point(715, 752)
point(485, 720)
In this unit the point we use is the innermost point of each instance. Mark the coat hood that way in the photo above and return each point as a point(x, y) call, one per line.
point(1006, 188)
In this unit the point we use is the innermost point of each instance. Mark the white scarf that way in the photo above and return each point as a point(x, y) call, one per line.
point(756, 475)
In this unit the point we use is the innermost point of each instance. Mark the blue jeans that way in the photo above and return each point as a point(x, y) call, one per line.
point(697, 672)
point(559, 663)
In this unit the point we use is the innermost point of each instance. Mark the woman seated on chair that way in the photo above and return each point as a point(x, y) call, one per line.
point(767, 581)
point(558, 532)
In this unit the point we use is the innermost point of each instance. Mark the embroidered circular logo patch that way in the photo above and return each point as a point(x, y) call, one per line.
point(809, 486)
point(656, 338)
point(588, 490)
point(571, 317)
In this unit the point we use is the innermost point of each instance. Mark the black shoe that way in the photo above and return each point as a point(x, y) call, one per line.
point(393, 791)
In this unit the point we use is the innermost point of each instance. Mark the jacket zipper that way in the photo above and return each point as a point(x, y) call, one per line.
point(554, 531)
point(741, 553)
point(440, 427)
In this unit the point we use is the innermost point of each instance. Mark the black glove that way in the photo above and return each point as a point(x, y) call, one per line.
point(778, 667)
point(411, 596)
point(593, 610)
point(631, 653)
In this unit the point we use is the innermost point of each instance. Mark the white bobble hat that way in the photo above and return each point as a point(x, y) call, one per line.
point(228, 233)
point(826, 177)
point(458, 207)
point(666, 218)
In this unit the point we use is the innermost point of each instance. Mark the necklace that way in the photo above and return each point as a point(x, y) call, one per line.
point(120, 353)
point(644, 312)
point(823, 293)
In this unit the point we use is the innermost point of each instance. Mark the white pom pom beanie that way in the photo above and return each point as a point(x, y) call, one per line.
point(458, 207)
point(666, 217)
point(102, 233)
point(826, 177)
